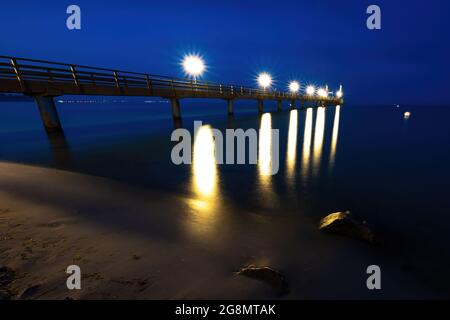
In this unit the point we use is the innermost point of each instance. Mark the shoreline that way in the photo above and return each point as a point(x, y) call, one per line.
point(133, 243)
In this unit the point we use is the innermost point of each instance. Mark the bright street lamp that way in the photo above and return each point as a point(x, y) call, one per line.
point(310, 90)
point(264, 80)
point(322, 93)
point(294, 86)
point(193, 65)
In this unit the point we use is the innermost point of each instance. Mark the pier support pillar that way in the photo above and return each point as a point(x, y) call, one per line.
point(279, 105)
point(293, 104)
point(230, 103)
point(49, 115)
point(260, 106)
point(176, 114)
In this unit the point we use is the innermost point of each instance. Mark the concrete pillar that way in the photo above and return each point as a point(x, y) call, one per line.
point(230, 106)
point(260, 106)
point(176, 114)
point(48, 112)
point(280, 105)
point(60, 148)
point(231, 123)
point(177, 123)
point(293, 104)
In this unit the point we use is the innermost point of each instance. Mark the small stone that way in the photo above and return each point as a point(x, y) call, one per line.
point(268, 275)
point(343, 223)
point(136, 257)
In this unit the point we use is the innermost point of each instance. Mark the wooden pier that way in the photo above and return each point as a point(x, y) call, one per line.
point(45, 80)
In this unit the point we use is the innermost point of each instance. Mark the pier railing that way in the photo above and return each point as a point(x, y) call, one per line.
point(31, 76)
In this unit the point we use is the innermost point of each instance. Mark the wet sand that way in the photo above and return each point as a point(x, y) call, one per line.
point(133, 243)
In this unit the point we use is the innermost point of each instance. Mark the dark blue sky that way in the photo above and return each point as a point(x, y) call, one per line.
point(312, 41)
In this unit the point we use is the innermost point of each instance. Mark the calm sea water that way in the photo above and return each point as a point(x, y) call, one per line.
point(393, 172)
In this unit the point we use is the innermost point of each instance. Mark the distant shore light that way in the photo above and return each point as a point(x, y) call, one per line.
point(310, 90)
point(407, 114)
point(264, 80)
point(193, 65)
point(294, 86)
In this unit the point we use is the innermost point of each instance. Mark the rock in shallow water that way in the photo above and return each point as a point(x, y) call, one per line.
point(268, 275)
point(343, 223)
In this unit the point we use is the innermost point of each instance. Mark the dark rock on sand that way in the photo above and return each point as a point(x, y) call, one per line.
point(268, 275)
point(7, 276)
point(343, 223)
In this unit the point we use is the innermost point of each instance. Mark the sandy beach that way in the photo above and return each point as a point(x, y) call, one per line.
point(133, 243)
point(125, 240)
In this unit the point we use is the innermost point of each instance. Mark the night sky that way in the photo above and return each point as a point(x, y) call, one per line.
point(406, 62)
